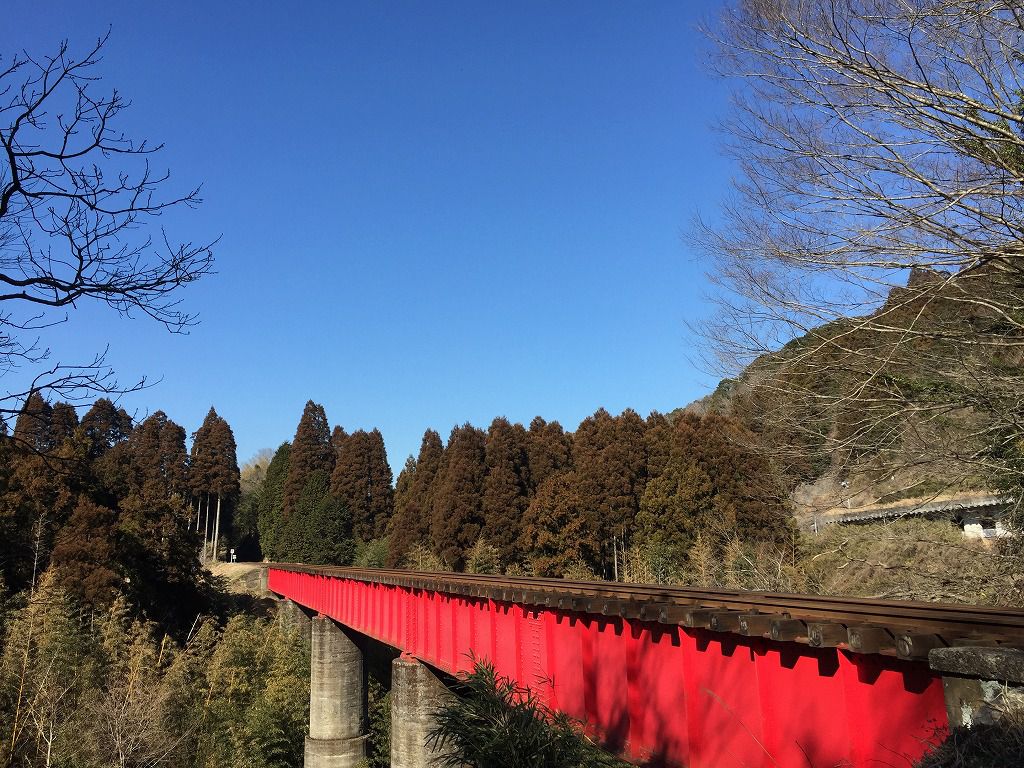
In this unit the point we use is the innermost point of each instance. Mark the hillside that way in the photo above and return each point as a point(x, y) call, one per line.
point(914, 400)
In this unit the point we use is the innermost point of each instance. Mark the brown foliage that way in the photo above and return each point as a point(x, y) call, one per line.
point(213, 468)
point(85, 554)
point(555, 537)
point(457, 504)
point(157, 449)
point(362, 481)
point(506, 487)
point(550, 451)
point(105, 425)
point(410, 524)
point(311, 452)
point(610, 466)
point(32, 428)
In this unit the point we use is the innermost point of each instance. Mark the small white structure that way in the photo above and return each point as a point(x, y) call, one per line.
point(983, 528)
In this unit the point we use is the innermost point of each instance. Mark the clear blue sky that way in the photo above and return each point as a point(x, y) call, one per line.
point(430, 213)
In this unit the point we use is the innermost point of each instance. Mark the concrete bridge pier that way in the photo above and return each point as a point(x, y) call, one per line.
point(293, 617)
point(416, 694)
point(337, 699)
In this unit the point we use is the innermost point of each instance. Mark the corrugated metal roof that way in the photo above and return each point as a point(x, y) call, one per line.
point(978, 503)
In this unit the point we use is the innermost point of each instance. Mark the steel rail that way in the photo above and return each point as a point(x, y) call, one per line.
point(946, 623)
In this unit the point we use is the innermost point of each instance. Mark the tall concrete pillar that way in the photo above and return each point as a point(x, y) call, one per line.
point(416, 695)
point(337, 699)
point(293, 617)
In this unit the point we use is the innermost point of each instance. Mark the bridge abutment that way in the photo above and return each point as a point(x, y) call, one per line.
point(337, 699)
point(980, 684)
point(416, 695)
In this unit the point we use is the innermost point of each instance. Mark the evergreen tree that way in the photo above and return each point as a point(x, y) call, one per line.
point(410, 524)
point(338, 438)
point(112, 473)
point(749, 498)
point(549, 449)
point(200, 475)
point(677, 505)
point(157, 448)
point(63, 422)
point(506, 487)
point(154, 523)
point(457, 513)
point(658, 438)
point(382, 492)
point(245, 529)
point(39, 490)
point(554, 534)
point(610, 463)
point(85, 554)
point(311, 452)
point(319, 528)
point(32, 428)
point(403, 486)
point(226, 477)
point(714, 484)
point(362, 482)
point(105, 426)
point(270, 514)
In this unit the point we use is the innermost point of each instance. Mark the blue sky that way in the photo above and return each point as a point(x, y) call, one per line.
point(430, 213)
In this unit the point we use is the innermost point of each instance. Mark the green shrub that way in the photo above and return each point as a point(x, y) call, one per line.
point(371, 554)
point(496, 723)
point(378, 708)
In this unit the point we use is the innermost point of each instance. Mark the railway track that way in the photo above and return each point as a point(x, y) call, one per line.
point(906, 629)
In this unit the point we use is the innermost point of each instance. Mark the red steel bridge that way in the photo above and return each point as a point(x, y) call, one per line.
point(674, 676)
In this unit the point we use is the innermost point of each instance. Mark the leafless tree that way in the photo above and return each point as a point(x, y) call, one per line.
point(78, 203)
point(875, 235)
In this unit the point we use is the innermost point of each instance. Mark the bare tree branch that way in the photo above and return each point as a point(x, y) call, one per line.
point(871, 257)
point(78, 199)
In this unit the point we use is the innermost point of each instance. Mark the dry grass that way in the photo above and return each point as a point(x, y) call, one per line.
point(996, 745)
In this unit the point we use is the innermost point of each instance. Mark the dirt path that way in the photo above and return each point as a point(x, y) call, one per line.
point(240, 578)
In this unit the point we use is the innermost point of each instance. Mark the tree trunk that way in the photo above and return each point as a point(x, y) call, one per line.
point(216, 529)
point(206, 535)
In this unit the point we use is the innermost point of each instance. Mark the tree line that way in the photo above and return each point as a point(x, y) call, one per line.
point(117, 508)
point(513, 498)
point(127, 509)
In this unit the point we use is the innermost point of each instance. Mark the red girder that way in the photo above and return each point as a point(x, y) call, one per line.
point(665, 694)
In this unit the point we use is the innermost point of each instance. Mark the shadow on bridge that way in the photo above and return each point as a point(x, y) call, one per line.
point(704, 699)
